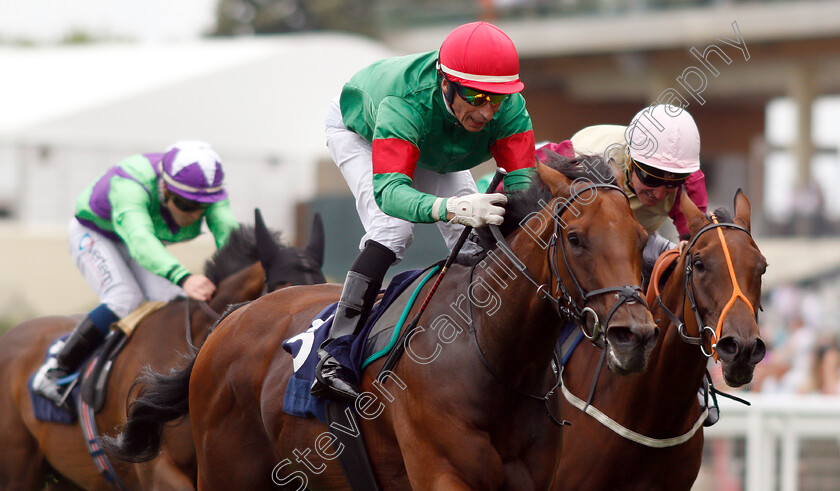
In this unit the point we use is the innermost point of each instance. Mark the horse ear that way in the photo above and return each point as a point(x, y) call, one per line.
point(742, 209)
point(267, 247)
point(316, 240)
point(696, 219)
point(555, 180)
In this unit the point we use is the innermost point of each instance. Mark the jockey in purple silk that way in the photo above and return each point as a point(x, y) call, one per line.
point(117, 239)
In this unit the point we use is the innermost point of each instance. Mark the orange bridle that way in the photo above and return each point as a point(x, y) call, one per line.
point(669, 257)
point(736, 289)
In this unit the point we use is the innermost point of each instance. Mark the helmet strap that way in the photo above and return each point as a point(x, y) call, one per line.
point(628, 176)
point(164, 191)
point(449, 95)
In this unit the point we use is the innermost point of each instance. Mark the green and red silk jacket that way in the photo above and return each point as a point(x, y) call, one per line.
point(397, 104)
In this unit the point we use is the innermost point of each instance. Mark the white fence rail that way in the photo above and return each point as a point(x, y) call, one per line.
point(776, 422)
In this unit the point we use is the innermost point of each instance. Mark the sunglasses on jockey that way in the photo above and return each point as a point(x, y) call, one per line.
point(477, 98)
point(654, 178)
point(187, 206)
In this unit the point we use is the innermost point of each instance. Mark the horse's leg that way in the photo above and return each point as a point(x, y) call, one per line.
point(232, 449)
point(449, 456)
point(450, 482)
point(165, 475)
point(175, 467)
point(232, 454)
point(21, 462)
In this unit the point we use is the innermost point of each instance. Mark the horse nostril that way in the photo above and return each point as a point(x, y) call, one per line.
point(620, 335)
point(727, 348)
point(631, 336)
point(758, 352)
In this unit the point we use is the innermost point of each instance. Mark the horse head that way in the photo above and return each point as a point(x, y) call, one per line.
point(254, 262)
point(723, 258)
point(288, 266)
point(594, 247)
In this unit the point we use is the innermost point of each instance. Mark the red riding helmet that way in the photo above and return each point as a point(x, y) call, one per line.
point(480, 56)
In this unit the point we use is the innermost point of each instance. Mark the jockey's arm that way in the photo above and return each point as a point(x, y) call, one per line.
point(137, 232)
point(516, 154)
point(395, 196)
point(221, 222)
point(133, 224)
point(395, 157)
point(198, 287)
point(655, 246)
point(695, 187)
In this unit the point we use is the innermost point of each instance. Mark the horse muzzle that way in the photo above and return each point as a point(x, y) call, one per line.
point(630, 338)
point(738, 358)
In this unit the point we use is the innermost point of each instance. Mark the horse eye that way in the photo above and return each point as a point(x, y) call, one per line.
point(574, 239)
point(698, 265)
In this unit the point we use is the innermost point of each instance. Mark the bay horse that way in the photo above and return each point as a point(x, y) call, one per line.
point(708, 308)
point(34, 451)
point(470, 405)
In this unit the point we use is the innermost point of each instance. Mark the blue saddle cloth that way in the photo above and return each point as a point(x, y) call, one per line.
point(46, 410)
point(304, 348)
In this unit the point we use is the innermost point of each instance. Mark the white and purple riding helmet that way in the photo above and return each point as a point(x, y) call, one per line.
point(193, 171)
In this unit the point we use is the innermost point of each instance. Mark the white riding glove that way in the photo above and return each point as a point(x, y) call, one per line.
point(477, 210)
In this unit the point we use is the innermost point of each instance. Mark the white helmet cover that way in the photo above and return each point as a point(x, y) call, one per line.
point(664, 137)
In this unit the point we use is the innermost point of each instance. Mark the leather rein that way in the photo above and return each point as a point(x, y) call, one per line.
point(207, 309)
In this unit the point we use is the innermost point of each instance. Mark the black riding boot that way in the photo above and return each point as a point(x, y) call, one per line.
point(357, 298)
point(78, 346)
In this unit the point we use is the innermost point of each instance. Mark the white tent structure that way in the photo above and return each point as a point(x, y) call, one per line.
point(68, 113)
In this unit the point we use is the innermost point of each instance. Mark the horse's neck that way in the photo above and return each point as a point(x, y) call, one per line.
point(516, 328)
point(242, 286)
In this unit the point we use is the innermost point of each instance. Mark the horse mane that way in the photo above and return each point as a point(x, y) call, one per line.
point(523, 202)
point(239, 253)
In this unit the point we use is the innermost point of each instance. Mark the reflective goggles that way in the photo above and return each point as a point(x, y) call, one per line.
point(188, 206)
point(477, 98)
point(648, 178)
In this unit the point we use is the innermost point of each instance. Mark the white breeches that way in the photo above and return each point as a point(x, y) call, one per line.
point(354, 157)
point(119, 281)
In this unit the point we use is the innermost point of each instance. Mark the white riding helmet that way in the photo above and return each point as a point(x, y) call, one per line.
point(664, 137)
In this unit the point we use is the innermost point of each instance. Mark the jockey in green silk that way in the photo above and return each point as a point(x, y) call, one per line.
point(404, 132)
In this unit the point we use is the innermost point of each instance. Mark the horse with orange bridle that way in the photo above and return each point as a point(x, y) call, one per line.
point(644, 431)
point(472, 402)
point(35, 452)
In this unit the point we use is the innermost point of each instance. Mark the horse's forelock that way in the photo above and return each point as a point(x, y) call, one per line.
point(724, 216)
